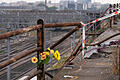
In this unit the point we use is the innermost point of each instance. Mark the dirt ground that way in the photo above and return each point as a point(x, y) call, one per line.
point(89, 69)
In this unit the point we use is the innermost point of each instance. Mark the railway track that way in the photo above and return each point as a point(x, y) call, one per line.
point(24, 61)
point(18, 67)
point(13, 46)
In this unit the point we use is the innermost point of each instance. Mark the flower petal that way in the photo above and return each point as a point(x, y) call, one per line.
point(34, 60)
point(43, 57)
point(52, 51)
point(48, 49)
point(47, 53)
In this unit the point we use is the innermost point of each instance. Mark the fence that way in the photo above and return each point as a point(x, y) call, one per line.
point(40, 42)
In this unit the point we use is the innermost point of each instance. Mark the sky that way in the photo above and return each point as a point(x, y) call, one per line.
point(55, 1)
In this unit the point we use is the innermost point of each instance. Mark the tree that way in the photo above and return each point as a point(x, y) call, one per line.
point(52, 8)
point(41, 4)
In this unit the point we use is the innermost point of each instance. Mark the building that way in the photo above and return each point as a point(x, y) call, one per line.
point(79, 6)
point(83, 1)
point(63, 5)
point(71, 5)
point(50, 4)
point(67, 5)
point(83, 4)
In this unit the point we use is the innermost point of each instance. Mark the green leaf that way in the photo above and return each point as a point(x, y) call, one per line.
point(39, 63)
point(46, 60)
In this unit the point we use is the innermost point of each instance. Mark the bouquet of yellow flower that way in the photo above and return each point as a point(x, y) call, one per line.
point(45, 57)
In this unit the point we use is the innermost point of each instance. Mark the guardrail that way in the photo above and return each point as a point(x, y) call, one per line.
point(40, 41)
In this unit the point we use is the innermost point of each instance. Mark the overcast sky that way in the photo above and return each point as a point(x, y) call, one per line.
point(103, 1)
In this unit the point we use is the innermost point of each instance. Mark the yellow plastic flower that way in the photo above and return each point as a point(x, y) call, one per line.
point(51, 51)
point(57, 55)
point(34, 60)
point(42, 54)
point(47, 53)
point(43, 57)
point(48, 49)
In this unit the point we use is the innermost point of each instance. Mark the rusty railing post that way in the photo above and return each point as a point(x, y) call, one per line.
point(119, 8)
point(117, 5)
point(40, 43)
point(114, 21)
point(110, 11)
point(119, 59)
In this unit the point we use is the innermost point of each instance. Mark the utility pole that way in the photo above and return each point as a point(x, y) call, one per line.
point(8, 67)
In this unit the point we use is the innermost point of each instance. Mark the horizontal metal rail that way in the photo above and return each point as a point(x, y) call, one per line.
point(103, 40)
point(66, 36)
point(78, 45)
point(78, 49)
point(31, 28)
point(14, 59)
point(23, 54)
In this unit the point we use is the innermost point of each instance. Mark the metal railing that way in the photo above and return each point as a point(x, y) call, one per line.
point(40, 42)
